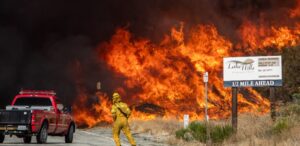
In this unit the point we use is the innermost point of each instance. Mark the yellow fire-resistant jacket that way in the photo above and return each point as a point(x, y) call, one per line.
point(120, 109)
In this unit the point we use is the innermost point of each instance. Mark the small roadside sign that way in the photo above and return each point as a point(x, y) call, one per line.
point(205, 77)
point(185, 121)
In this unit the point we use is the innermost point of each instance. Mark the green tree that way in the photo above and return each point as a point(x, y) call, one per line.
point(291, 72)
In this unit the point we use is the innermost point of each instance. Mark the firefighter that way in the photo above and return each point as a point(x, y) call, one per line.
point(120, 113)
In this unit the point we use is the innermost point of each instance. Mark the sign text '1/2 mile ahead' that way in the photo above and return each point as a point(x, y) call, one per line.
point(257, 71)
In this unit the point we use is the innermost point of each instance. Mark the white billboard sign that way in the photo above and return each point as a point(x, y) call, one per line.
point(256, 71)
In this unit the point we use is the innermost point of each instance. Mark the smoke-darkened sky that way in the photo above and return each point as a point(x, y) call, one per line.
point(42, 42)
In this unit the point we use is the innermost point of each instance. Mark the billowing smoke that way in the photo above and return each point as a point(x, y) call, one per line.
point(49, 44)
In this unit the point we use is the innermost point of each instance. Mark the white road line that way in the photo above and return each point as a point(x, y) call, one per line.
point(95, 134)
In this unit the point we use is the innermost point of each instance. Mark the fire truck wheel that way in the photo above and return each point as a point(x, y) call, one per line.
point(69, 136)
point(43, 134)
point(27, 139)
point(2, 137)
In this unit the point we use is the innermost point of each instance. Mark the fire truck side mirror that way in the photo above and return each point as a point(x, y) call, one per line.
point(60, 107)
point(67, 109)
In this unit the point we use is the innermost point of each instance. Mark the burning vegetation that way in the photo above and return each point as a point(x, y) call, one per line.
point(165, 79)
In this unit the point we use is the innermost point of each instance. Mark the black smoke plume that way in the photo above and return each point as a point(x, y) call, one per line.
point(42, 40)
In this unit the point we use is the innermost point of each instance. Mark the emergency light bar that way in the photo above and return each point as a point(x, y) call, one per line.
point(45, 92)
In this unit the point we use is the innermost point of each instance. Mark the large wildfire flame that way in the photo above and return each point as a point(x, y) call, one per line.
point(165, 79)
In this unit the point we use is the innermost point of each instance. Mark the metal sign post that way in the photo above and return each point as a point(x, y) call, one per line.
point(205, 79)
point(98, 92)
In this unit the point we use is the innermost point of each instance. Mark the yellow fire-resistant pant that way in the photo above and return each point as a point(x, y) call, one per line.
point(121, 123)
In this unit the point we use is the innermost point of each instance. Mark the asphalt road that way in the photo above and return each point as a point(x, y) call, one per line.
point(89, 137)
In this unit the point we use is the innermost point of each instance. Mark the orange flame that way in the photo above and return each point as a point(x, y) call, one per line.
point(260, 37)
point(96, 113)
point(165, 79)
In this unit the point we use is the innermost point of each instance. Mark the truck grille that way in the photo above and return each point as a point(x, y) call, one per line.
point(15, 117)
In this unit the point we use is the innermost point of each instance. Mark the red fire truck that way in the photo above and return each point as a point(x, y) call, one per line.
point(36, 113)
